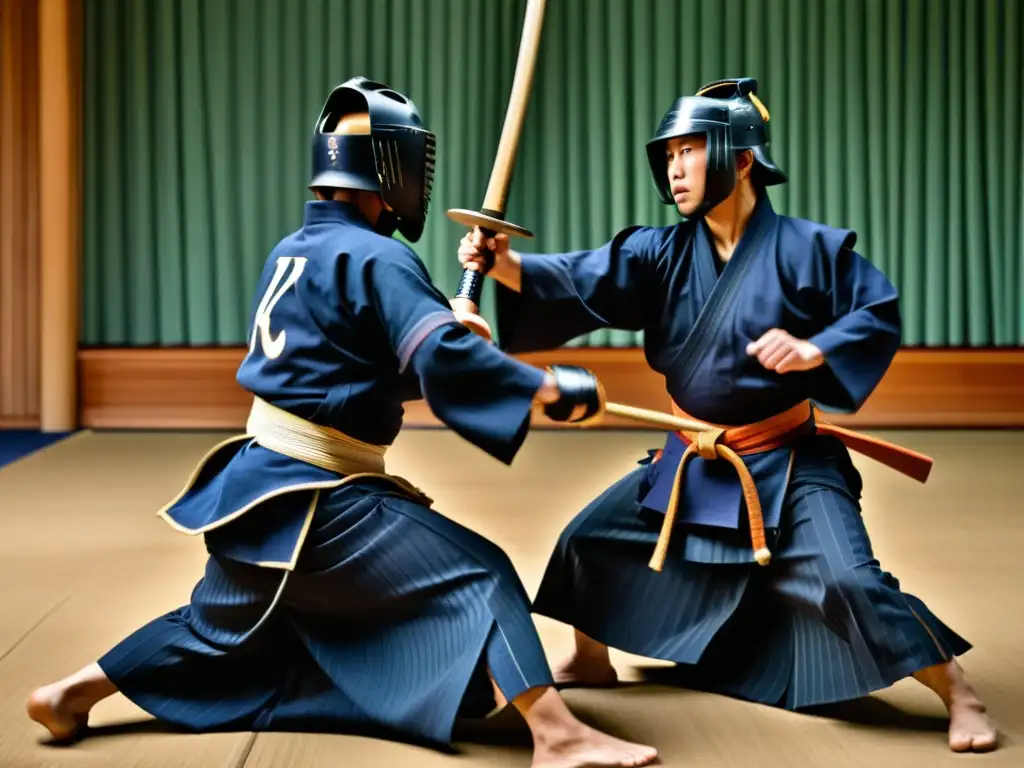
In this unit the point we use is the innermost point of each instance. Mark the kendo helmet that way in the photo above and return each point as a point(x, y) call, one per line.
point(393, 154)
point(732, 119)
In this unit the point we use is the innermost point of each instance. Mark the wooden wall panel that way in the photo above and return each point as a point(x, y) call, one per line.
point(196, 388)
point(19, 214)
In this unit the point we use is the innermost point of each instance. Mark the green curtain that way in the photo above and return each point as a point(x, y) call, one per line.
point(900, 118)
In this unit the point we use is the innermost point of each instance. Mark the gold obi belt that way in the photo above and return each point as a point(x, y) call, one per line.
point(730, 443)
point(282, 432)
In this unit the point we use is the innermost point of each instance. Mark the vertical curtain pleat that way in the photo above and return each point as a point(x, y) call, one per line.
point(951, 106)
point(219, 41)
point(778, 68)
point(979, 299)
point(174, 302)
point(854, 108)
point(994, 97)
point(197, 156)
point(793, 146)
point(898, 118)
point(1015, 119)
point(142, 285)
point(1013, 188)
point(932, 271)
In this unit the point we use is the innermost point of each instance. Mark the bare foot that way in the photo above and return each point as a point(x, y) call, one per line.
point(53, 708)
point(583, 747)
point(969, 726)
point(586, 670)
point(63, 707)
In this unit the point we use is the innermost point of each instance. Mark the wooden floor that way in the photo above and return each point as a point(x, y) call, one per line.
point(84, 561)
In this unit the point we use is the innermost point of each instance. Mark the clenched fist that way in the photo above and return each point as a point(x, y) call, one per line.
point(491, 255)
point(779, 351)
point(476, 251)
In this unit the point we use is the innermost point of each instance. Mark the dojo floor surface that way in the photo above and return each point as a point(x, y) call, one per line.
point(84, 561)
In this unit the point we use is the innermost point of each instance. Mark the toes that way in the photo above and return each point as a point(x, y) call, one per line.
point(966, 742)
point(960, 742)
point(985, 743)
point(645, 756)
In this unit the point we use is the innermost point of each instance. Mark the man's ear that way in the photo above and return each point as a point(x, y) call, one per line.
point(744, 164)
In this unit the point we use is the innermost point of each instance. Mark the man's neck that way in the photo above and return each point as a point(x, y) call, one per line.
point(368, 204)
point(728, 220)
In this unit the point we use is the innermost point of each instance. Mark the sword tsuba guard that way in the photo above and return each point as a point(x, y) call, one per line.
point(488, 220)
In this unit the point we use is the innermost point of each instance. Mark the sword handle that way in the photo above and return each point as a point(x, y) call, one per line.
point(472, 284)
point(466, 304)
point(471, 287)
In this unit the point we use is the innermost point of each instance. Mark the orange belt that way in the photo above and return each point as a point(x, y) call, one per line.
point(730, 443)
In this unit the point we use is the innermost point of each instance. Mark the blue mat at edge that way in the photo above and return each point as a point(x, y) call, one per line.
point(18, 443)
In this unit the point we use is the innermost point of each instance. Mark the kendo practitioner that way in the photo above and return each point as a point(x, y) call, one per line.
point(334, 598)
point(739, 554)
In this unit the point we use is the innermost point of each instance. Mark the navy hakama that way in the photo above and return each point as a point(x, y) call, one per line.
point(387, 625)
point(823, 623)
